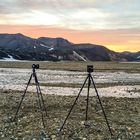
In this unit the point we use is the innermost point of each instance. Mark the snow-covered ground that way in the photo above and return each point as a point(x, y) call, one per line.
point(16, 79)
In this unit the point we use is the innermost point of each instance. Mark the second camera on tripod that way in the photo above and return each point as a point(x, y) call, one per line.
point(90, 68)
point(35, 66)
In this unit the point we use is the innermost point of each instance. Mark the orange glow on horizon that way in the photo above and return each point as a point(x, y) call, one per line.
point(113, 40)
point(122, 48)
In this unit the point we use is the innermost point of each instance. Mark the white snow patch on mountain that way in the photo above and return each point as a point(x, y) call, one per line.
point(76, 54)
point(9, 58)
point(51, 49)
point(45, 46)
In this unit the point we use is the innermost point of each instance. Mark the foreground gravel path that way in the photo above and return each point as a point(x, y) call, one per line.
point(123, 115)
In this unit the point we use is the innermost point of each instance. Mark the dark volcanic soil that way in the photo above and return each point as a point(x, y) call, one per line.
point(123, 115)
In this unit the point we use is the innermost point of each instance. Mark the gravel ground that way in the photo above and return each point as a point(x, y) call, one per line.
point(119, 92)
point(123, 115)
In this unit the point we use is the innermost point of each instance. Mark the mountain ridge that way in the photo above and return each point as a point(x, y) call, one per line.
point(21, 47)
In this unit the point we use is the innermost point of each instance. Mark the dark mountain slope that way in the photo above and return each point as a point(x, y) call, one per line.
point(22, 47)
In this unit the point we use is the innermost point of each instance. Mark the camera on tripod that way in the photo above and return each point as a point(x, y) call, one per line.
point(89, 68)
point(35, 66)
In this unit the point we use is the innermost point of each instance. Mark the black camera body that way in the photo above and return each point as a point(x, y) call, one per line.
point(89, 68)
point(35, 66)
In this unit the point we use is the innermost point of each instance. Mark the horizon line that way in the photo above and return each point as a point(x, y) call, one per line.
point(76, 43)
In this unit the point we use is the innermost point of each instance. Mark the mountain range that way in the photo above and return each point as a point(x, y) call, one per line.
point(20, 47)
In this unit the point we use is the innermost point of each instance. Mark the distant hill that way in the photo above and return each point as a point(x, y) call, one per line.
point(20, 47)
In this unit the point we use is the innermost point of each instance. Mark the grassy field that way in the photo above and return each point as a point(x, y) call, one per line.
point(76, 66)
point(123, 115)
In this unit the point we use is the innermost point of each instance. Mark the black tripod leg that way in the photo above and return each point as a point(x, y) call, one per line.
point(101, 106)
point(41, 95)
point(89, 83)
point(22, 97)
point(42, 100)
point(39, 101)
point(73, 105)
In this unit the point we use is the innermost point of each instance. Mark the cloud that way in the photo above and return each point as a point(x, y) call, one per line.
point(72, 14)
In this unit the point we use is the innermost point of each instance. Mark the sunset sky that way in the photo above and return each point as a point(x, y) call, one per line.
point(112, 23)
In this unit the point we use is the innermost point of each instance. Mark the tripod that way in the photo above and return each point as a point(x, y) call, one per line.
point(39, 94)
point(90, 80)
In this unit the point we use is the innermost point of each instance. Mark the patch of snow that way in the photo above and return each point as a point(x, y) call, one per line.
point(79, 56)
point(60, 57)
point(51, 49)
point(54, 56)
point(16, 79)
point(9, 58)
point(138, 57)
point(66, 91)
point(45, 46)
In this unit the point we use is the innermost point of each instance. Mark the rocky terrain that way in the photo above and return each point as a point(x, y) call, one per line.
point(118, 87)
point(20, 47)
point(123, 115)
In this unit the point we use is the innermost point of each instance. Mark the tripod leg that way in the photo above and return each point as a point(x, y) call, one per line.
point(101, 106)
point(39, 101)
point(73, 105)
point(41, 95)
point(89, 83)
point(22, 97)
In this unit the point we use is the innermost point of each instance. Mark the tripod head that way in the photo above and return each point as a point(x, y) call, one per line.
point(35, 66)
point(90, 68)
